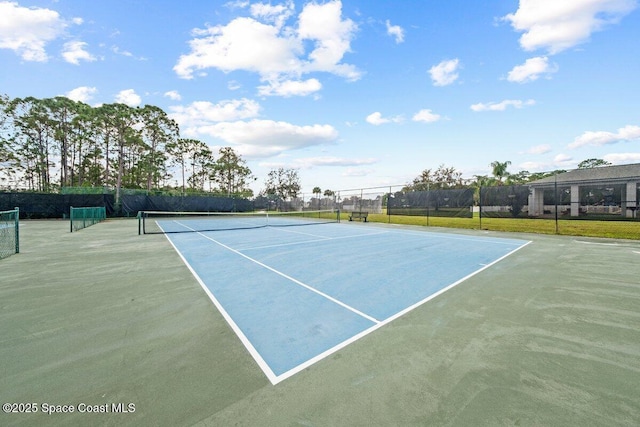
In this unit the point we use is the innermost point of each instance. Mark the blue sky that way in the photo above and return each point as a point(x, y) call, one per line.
point(352, 93)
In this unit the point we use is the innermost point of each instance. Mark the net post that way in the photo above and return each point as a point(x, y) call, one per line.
point(17, 220)
point(139, 224)
point(71, 219)
point(338, 215)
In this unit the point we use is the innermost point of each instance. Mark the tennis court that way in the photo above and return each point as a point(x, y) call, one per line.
point(265, 276)
point(539, 333)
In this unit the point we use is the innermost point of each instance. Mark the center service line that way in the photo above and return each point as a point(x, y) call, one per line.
point(296, 281)
point(323, 239)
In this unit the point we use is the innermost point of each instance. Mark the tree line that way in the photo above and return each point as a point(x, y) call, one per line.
point(447, 177)
point(46, 144)
point(56, 142)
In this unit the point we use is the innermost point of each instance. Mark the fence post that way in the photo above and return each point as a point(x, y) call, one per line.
point(480, 205)
point(555, 198)
point(428, 195)
point(17, 220)
point(389, 210)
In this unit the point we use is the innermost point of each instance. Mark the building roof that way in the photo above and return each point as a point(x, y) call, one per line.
point(604, 174)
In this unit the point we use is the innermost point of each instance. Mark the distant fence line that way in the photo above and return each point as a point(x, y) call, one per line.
point(605, 202)
point(48, 205)
point(514, 201)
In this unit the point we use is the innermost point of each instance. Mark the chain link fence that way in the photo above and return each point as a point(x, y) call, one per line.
point(9, 233)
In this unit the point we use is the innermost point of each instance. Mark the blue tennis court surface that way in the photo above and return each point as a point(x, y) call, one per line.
point(294, 295)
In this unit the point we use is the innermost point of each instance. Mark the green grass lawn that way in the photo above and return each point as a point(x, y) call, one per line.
point(608, 229)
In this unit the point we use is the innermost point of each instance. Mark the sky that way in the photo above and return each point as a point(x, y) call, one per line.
point(351, 93)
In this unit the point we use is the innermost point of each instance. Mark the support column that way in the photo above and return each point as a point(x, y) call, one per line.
point(575, 200)
point(630, 201)
point(536, 202)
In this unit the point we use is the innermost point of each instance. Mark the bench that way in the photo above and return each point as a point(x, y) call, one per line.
point(358, 215)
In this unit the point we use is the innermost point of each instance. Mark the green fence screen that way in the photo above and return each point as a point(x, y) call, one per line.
point(9, 233)
point(84, 217)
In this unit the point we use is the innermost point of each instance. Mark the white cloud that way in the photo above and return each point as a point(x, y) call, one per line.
point(309, 162)
point(173, 95)
point(266, 138)
point(204, 113)
point(27, 31)
point(534, 166)
point(622, 158)
point(445, 72)
point(563, 160)
point(559, 25)
point(395, 31)
point(376, 119)
point(599, 138)
point(82, 93)
point(502, 106)
point(531, 70)
point(118, 51)
point(290, 88)
point(243, 44)
point(323, 25)
point(272, 50)
point(358, 172)
point(277, 15)
point(234, 85)
point(74, 51)
point(237, 4)
point(426, 116)
point(252, 138)
point(128, 97)
point(539, 149)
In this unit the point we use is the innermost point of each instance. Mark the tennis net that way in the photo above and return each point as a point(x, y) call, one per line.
point(156, 222)
point(85, 217)
point(9, 233)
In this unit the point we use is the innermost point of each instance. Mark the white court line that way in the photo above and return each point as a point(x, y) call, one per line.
point(275, 379)
point(300, 232)
point(296, 281)
point(324, 239)
point(271, 376)
point(621, 245)
point(380, 324)
point(596, 243)
point(457, 237)
point(284, 230)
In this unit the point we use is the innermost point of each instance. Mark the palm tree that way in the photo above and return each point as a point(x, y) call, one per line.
point(500, 170)
point(318, 191)
point(328, 194)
